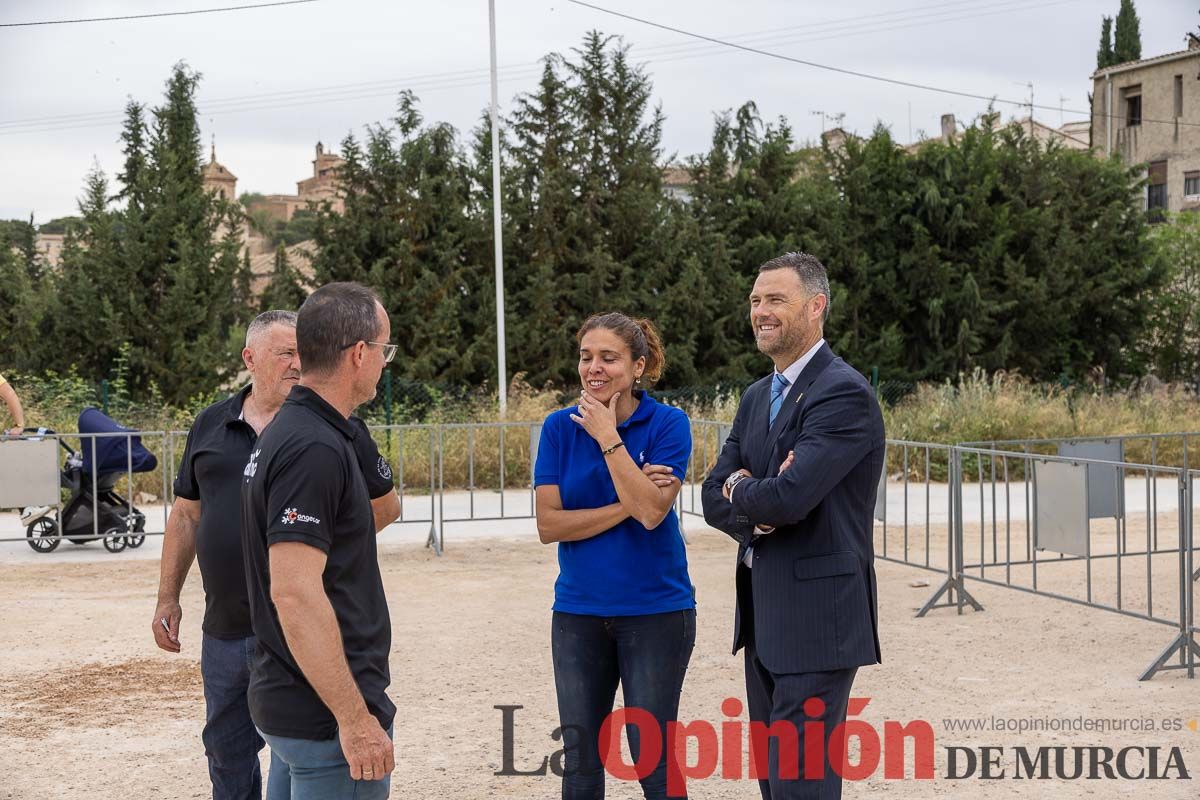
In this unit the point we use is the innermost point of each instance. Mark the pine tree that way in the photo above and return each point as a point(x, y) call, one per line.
point(1127, 40)
point(1105, 56)
point(181, 252)
point(22, 237)
point(542, 204)
point(285, 290)
point(19, 315)
point(968, 254)
point(1172, 346)
point(406, 232)
point(90, 321)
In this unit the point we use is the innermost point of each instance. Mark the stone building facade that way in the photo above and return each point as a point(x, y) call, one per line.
point(219, 179)
point(320, 187)
point(1148, 112)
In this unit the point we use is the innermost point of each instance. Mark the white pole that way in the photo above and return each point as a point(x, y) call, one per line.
point(502, 383)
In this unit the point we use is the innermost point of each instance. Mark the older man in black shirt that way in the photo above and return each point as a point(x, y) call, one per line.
point(320, 673)
point(205, 522)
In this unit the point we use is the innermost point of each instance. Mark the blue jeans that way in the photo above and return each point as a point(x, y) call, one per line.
point(231, 741)
point(648, 655)
point(315, 769)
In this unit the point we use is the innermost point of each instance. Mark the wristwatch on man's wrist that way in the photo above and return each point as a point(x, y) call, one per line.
point(732, 481)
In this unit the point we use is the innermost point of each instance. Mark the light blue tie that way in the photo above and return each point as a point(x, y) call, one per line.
point(778, 390)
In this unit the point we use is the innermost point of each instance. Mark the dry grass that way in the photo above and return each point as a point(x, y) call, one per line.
point(977, 408)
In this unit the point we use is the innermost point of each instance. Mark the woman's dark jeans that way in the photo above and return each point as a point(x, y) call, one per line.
point(648, 655)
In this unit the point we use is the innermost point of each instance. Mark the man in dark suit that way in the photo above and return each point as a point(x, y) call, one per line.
point(795, 486)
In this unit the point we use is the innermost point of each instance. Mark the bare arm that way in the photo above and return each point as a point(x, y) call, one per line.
point(642, 498)
point(555, 524)
point(386, 510)
point(178, 553)
point(13, 402)
point(311, 630)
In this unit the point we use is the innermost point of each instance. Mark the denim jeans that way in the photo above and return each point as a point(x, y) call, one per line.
point(648, 655)
point(231, 741)
point(316, 769)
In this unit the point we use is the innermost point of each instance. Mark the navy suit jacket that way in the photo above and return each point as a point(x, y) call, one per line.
point(813, 580)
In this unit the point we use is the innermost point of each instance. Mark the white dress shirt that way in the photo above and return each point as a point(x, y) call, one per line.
point(791, 375)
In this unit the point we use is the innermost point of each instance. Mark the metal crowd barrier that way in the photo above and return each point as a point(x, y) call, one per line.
point(499, 489)
point(922, 518)
point(412, 451)
point(1111, 534)
point(33, 467)
point(34, 470)
point(708, 437)
point(1071, 519)
point(1156, 449)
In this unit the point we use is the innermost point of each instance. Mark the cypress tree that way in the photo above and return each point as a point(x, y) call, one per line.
point(1127, 40)
point(1104, 55)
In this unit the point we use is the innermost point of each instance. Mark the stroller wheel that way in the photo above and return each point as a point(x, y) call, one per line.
point(135, 541)
point(38, 535)
point(114, 540)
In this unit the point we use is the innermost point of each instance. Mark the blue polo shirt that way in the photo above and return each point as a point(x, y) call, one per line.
point(627, 570)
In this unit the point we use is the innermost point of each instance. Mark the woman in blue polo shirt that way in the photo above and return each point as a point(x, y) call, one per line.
point(607, 474)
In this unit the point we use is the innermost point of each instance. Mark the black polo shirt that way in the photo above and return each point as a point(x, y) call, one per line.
point(303, 483)
point(218, 446)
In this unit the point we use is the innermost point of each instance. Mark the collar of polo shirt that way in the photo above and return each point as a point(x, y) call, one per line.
point(644, 408)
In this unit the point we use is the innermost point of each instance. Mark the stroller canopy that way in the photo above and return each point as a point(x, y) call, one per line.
point(112, 452)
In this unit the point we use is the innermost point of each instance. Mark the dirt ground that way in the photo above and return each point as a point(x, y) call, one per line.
point(89, 707)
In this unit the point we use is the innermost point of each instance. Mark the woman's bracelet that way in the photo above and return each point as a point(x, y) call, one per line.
point(613, 448)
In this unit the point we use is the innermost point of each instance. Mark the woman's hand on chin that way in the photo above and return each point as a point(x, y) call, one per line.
point(598, 419)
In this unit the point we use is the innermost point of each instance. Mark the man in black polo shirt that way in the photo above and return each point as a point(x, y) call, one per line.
point(320, 673)
point(206, 522)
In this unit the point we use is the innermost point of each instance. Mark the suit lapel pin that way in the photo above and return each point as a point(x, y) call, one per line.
point(799, 397)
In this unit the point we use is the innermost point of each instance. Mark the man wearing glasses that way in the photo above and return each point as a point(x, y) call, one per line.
point(320, 673)
point(205, 522)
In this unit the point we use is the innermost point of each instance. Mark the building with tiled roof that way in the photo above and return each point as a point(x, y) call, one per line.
point(219, 179)
point(321, 187)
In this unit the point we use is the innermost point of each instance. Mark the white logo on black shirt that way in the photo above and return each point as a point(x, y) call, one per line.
point(385, 471)
point(291, 516)
point(252, 464)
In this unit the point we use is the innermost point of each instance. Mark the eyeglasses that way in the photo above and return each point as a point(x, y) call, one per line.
point(389, 350)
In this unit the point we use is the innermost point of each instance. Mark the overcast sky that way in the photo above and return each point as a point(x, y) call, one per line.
point(261, 68)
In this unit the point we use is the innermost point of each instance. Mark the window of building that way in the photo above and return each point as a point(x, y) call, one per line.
point(1133, 111)
point(1132, 98)
point(1156, 192)
point(1179, 95)
point(1191, 184)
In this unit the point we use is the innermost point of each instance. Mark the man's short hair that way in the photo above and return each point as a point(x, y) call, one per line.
point(811, 271)
point(332, 318)
point(266, 319)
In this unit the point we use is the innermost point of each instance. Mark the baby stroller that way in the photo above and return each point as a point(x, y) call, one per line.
point(120, 525)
